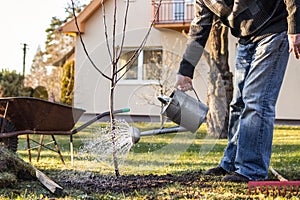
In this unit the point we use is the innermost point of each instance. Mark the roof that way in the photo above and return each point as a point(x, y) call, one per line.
point(83, 16)
point(61, 61)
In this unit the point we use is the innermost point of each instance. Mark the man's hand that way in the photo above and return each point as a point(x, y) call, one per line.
point(183, 83)
point(294, 43)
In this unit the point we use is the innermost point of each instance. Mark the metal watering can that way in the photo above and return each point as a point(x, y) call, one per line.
point(189, 113)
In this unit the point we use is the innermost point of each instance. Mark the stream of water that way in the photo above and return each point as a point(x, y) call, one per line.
point(99, 147)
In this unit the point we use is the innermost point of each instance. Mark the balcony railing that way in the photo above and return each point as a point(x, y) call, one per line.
point(172, 12)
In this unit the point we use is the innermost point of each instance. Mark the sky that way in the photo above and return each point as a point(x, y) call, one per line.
point(25, 21)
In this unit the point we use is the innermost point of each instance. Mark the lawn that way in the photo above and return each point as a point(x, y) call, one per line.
point(158, 167)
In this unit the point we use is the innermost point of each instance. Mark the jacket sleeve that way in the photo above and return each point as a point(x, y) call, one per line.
point(293, 8)
point(197, 38)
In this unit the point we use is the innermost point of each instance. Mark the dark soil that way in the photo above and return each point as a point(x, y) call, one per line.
point(96, 183)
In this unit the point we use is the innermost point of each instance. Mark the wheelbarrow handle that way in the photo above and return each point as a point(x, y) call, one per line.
point(83, 126)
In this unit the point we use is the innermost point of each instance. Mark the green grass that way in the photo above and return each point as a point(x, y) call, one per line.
point(163, 154)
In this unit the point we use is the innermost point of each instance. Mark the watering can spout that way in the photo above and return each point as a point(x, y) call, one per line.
point(136, 134)
point(163, 99)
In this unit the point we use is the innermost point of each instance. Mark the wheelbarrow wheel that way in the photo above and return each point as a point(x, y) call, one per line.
point(10, 143)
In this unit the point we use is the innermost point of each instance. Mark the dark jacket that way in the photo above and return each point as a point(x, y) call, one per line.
point(248, 20)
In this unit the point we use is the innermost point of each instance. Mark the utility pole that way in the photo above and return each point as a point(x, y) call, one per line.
point(24, 57)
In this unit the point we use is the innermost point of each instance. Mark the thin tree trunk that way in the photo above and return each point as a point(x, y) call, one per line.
point(112, 120)
point(219, 82)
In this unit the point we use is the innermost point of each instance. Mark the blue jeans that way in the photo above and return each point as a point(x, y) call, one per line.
point(259, 73)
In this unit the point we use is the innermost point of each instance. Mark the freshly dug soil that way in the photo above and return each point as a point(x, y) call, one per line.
point(14, 170)
point(97, 183)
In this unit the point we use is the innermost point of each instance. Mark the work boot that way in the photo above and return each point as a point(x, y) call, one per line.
point(217, 171)
point(235, 177)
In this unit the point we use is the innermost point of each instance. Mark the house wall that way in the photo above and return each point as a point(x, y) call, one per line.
point(288, 106)
point(92, 89)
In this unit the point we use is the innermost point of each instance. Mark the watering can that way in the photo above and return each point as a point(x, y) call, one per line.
point(189, 113)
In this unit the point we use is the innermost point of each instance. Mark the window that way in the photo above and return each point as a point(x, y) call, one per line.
point(146, 66)
point(180, 10)
point(132, 69)
point(189, 1)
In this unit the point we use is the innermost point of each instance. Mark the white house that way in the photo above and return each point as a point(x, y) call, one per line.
point(165, 43)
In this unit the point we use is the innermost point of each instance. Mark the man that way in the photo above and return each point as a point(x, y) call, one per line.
point(267, 30)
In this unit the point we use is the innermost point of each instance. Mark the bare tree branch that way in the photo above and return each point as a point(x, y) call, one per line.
point(114, 36)
point(106, 31)
point(124, 31)
point(83, 45)
point(141, 47)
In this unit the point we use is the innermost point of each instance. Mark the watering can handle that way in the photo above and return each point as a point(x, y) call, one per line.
point(196, 94)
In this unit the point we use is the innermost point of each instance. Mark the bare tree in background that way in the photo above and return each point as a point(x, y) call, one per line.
point(39, 76)
point(38, 70)
point(57, 45)
point(163, 73)
point(115, 51)
point(220, 86)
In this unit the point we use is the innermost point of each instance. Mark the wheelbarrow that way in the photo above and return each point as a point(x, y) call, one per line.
point(27, 115)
